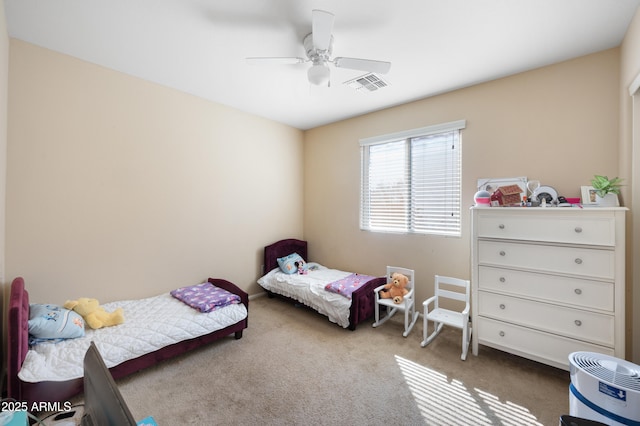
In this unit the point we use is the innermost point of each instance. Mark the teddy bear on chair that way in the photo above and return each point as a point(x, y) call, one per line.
point(95, 315)
point(396, 289)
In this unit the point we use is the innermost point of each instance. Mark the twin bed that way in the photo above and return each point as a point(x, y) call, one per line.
point(309, 289)
point(162, 327)
point(155, 329)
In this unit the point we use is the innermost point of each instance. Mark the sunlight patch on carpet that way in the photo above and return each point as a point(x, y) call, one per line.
point(444, 401)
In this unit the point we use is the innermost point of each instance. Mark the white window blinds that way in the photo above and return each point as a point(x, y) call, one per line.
point(411, 181)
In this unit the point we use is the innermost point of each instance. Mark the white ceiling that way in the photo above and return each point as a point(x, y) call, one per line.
point(435, 46)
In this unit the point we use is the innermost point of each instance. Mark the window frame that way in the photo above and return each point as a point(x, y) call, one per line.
point(452, 229)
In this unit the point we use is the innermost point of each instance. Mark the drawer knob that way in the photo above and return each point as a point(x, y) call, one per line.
point(501, 334)
point(578, 291)
point(578, 323)
point(578, 229)
point(579, 261)
point(502, 306)
point(501, 226)
point(502, 279)
point(502, 253)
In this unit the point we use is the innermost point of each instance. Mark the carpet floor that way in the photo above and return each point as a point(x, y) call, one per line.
point(293, 366)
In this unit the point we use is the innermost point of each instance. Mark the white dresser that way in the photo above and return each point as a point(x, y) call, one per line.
point(548, 281)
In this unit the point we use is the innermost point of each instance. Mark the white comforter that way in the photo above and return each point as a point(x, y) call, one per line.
point(309, 289)
point(150, 324)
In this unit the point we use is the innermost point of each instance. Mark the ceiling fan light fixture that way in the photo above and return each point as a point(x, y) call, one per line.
point(318, 46)
point(318, 74)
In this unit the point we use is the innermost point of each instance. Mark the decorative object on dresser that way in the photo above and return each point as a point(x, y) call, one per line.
point(545, 195)
point(507, 196)
point(482, 198)
point(492, 185)
point(548, 282)
point(588, 196)
point(606, 190)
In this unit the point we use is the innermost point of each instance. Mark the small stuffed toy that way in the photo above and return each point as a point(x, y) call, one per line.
point(396, 289)
point(302, 267)
point(94, 315)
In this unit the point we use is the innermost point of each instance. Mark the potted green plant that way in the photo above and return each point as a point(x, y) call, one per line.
point(607, 190)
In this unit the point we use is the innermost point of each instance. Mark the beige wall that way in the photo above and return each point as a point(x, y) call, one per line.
point(4, 84)
point(630, 168)
point(120, 188)
point(557, 124)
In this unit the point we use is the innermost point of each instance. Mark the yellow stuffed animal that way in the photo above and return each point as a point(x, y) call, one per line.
point(94, 315)
point(396, 288)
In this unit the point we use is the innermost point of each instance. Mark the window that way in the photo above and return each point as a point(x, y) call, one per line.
point(411, 181)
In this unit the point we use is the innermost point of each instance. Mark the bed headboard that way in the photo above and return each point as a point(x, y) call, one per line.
point(18, 339)
point(283, 248)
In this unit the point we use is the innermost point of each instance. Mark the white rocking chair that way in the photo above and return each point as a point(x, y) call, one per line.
point(408, 304)
point(440, 316)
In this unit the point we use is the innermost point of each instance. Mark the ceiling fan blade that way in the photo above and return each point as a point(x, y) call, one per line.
point(274, 61)
point(322, 25)
point(380, 67)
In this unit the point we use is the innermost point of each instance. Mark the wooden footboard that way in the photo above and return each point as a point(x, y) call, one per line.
point(244, 297)
point(61, 391)
point(363, 302)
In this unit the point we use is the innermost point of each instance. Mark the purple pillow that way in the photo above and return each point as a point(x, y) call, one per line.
point(205, 297)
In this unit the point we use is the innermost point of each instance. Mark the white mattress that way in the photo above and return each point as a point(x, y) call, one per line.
point(309, 289)
point(150, 324)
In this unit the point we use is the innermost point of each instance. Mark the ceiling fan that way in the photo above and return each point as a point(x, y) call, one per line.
point(319, 46)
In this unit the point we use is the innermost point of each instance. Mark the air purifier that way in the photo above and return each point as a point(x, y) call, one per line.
point(604, 388)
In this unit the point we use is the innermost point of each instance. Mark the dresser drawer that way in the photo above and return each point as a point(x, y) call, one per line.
point(549, 348)
point(597, 228)
point(553, 288)
point(575, 323)
point(587, 262)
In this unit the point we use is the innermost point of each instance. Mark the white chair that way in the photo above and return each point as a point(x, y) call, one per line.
point(408, 304)
point(456, 289)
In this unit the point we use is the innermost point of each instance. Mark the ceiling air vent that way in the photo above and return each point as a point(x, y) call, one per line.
point(369, 82)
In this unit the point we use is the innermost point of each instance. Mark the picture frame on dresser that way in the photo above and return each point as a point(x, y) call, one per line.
point(491, 184)
point(588, 195)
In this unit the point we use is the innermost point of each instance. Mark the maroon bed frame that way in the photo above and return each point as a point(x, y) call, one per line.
point(362, 300)
point(53, 391)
